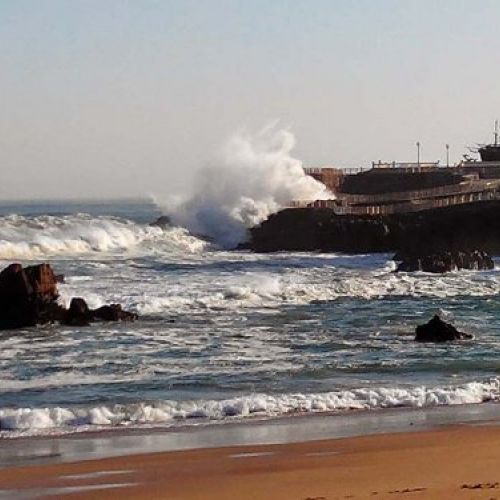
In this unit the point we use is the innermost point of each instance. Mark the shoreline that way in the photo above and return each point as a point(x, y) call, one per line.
point(107, 443)
point(455, 461)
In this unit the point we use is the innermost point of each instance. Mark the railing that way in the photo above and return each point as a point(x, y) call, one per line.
point(417, 205)
point(311, 170)
point(342, 170)
point(410, 201)
point(421, 194)
point(354, 170)
point(434, 198)
point(312, 204)
point(298, 204)
point(405, 165)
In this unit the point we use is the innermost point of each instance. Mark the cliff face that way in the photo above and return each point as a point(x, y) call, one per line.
point(461, 227)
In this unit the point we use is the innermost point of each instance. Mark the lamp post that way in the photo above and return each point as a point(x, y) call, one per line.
point(418, 153)
point(447, 155)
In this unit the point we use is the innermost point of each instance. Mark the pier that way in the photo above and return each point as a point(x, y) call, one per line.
point(408, 201)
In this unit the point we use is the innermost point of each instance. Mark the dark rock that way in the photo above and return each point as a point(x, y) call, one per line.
point(28, 297)
point(436, 330)
point(444, 261)
point(455, 228)
point(163, 221)
point(78, 313)
point(79, 307)
point(43, 280)
point(26, 282)
point(14, 282)
point(113, 312)
point(313, 229)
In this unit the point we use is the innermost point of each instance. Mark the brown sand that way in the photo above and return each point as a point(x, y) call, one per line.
point(459, 462)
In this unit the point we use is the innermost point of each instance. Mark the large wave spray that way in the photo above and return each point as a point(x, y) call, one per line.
point(252, 177)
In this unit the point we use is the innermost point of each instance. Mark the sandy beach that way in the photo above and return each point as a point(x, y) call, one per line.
point(453, 462)
point(249, 250)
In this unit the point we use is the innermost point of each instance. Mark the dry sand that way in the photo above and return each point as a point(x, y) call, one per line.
point(459, 462)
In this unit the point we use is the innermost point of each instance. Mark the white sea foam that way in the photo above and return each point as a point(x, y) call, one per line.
point(41, 420)
point(293, 285)
point(253, 287)
point(38, 237)
point(252, 177)
point(222, 280)
point(218, 280)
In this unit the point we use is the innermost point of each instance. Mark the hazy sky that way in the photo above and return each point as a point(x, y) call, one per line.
point(120, 98)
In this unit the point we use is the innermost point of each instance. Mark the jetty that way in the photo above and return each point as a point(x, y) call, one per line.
point(401, 187)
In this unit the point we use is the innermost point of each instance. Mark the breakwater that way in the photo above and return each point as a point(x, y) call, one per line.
point(469, 226)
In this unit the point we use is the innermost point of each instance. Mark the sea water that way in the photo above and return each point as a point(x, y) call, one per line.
point(227, 336)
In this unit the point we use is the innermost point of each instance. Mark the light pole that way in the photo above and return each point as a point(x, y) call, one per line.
point(418, 153)
point(447, 155)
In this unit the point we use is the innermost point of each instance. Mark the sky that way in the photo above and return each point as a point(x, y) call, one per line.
point(121, 98)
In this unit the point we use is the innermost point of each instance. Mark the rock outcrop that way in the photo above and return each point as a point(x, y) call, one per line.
point(79, 313)
point(456, 228)
point(437, 330)
point(319, 229)
point(163, 221)
point(28, 297)
point(444, 261)
point(113, 312)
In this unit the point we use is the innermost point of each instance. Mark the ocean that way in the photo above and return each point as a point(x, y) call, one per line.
point(228, 336)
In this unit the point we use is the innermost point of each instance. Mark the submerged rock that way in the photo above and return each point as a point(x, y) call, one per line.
point(437, 330)
point(444, 261)
point(79, 313)
point(113, 312)
point(28, 297)
point(163, 221)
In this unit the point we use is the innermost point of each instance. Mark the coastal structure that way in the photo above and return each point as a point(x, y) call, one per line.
point(490, 152)
point(395, 187)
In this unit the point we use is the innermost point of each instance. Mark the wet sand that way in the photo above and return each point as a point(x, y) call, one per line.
point(107, 443)
point(461, 462)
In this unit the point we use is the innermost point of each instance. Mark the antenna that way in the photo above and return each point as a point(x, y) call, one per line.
point(496, 132)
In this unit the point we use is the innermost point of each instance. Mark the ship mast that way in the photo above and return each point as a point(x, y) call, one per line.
point(496, 132)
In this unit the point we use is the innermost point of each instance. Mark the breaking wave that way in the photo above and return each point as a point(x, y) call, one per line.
point(253, 177)
point(28, 238)
point(260, 289)
point(170, 413)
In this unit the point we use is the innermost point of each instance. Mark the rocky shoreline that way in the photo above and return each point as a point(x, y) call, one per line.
point(461, 228)
point(29, 297)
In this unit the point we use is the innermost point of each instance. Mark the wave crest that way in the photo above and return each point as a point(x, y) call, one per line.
point(170, 413)
point(28, 238)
